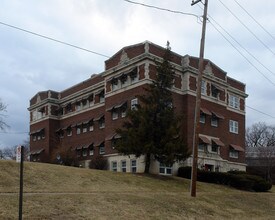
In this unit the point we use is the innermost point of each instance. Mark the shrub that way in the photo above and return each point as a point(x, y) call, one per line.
point(237, 179)
point(99, 163)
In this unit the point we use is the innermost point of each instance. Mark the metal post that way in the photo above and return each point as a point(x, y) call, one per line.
point(21, 184)
point(198, 105)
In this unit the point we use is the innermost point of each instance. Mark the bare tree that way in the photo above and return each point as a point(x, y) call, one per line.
point(260, 146)
point(3, 108)
point(9, 152)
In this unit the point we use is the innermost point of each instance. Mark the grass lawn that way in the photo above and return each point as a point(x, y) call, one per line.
point(59, 192)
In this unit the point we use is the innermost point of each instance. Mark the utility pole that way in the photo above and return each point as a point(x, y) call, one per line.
point(198, 104)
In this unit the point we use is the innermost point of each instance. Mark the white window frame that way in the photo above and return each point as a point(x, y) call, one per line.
point(233, 126)
point(84, 152)
point(233, 154)
point(102, 149)
point(134, 103)
point(164, 170)
point(234, 101)
point(123, 166)
point(78, 106)
point(84, 128)
point(91, 127)
point(114, 166)
point(91, 151)
point(214, 146)
point(78, 130)
point(203, 87)
point(69, 132)
point(133, 166)
point(202, 118)
point(115, 114)
point(201, 147)
point(214, 121)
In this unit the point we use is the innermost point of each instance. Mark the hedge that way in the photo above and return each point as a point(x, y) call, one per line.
point(237, 179)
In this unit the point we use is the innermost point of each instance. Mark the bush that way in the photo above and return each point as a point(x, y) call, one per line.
point(99, 163)
point(237, 179)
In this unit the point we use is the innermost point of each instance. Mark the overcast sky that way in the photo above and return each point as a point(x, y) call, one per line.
point(29, 64)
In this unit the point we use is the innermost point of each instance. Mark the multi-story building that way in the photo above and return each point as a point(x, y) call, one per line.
point(84, 117)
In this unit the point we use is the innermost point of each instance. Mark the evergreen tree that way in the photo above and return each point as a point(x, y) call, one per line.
point(152, 129)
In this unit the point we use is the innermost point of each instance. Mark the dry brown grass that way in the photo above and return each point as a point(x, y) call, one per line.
point(58, 192)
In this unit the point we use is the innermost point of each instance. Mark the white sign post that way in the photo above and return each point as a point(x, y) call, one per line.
point(18, 154)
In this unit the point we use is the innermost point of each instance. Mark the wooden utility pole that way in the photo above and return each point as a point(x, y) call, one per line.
point(198, 104)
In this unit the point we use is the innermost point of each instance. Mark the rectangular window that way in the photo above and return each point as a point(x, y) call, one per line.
point(69, 132)
point(85, 103)
point(101, 123)
point(214, 121)
point(234, 101)
point(233, 154)
point(34, 137)
point(123, 112)
point(163, 169)
point(102, 149)
point(78, 153)
point(84, 152)
point(134, 77)
point(78, 106)
point(214, 148)
point(91, 126)
point(114, 166)
point(233, 126)
point(101, 97)
point(85, 128)
point(201, 147)
point(115, 114)
point(203, 87)
point(124, 80)
point(78, 130)
point(134, 103)
point(123, 166)
point(202, 118)
point(91, 151)
point(214, 91)
point(133, 166)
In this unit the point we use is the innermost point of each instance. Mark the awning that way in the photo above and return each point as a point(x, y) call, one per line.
point(37, 131)
point(36, 151)
point(86, 146)
point(113, 136)
point(98, 143)
point(79, 148)
point(204, 139)
point(218, 142)
point(116, 106)
point(99, 117)
point(216, 87)
point(99, 92)
point(205, 111)
point(218, 115)
point(237, 147)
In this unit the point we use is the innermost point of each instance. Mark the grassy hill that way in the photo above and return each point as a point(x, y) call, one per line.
point(59, 192)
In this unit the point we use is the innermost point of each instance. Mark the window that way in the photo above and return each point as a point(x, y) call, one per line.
point(114, 114)
point(133, 166)
point(202, 118)
point(43, 134)
point(78, 106)
point(134, 103)
point(201, 147)
point(203, 87)
point(233, 153)
point(214, 121)
point(123, 166)
point(114, 84)
point(38, 137)
point(123, 111)
point(78, 130)
point(61, 134)
point(85, 103)
point(91, 151)
point(134, 77)
point(124, 80)
point(69, 107)
point(163, 169)
point(91, 126)
point(78, 153)
point(69, 131)
point(85, 128)
point(84, 152)
point(214, 91)
point(101, 97)
point(214, 148)
point(114, 166)
point(233, 126)
point(34, 137)
point(101, 123)
point(234, 101)
point(101, 149)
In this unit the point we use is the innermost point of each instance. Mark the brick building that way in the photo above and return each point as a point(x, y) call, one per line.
point(84, 117)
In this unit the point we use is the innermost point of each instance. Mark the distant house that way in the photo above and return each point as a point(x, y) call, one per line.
point(84, 117)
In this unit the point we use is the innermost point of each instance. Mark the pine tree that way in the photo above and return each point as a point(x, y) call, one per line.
point(152, 129)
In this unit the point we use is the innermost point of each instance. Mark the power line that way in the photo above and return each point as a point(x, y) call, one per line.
point(247, 28)
point(234, 39)
point(264, 29)
point(260, 111)
point(53, 39)
point(162, 9)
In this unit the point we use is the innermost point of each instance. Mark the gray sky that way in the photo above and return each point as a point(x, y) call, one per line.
point(30, 64)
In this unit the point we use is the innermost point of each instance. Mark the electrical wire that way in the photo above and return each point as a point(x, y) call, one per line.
point(53, 39)
point(260, 111)
point(162, 9)
point(247, 28)
point(264, 29)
